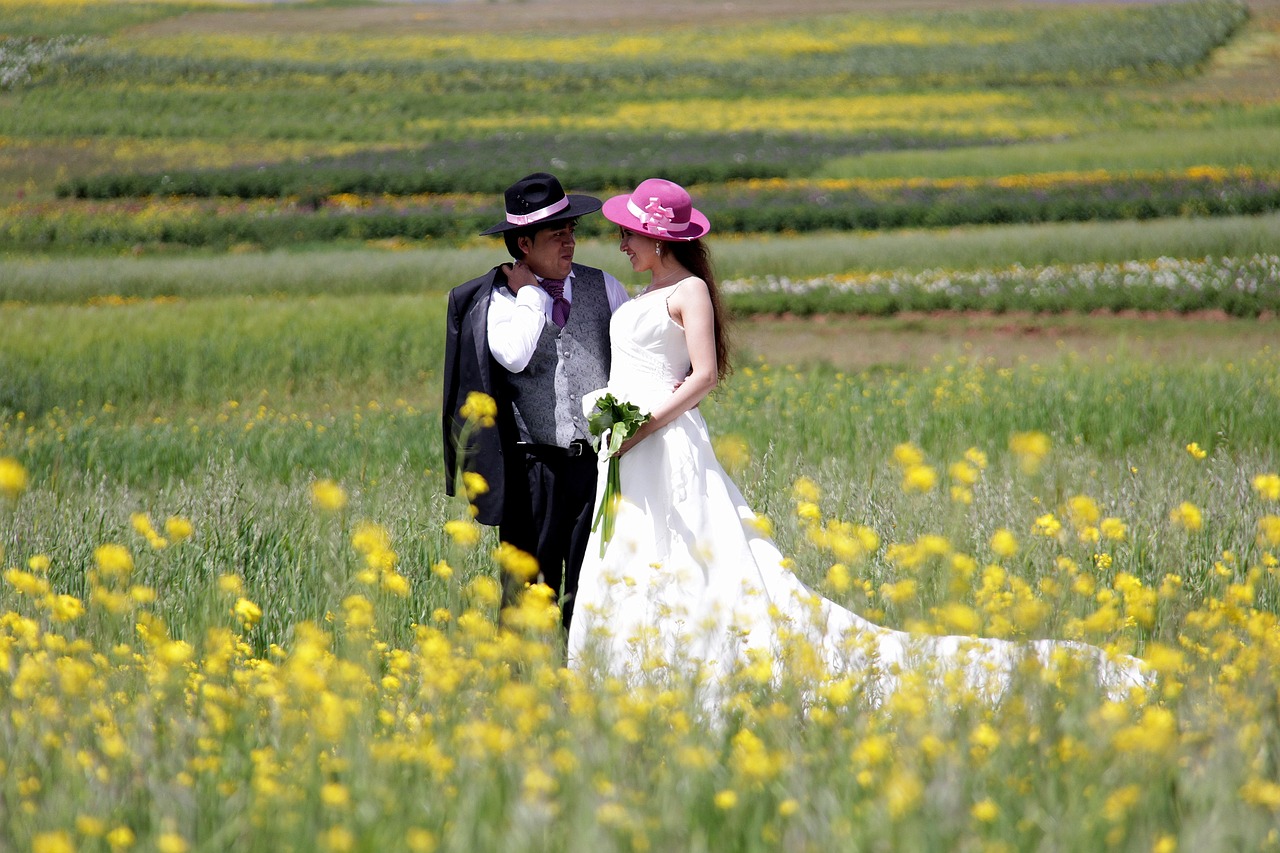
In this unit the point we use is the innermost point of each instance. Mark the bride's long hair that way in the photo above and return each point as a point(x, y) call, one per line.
point(696, 258)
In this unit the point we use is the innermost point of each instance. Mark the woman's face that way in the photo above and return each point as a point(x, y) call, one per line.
point(640, 249)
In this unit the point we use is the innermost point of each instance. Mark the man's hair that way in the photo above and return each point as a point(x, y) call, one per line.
point(513, 236)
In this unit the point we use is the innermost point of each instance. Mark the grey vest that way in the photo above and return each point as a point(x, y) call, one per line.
point(566, 364)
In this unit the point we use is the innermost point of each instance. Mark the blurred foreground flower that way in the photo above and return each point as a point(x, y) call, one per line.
point(13, 477)
point(113, 560)
point(247, 612)
point(1031, 448)
point(1003, 543)
point(480, 408)
point(178, 528)
point(142, 525)
point(328, 495)
point(464, 533)
point(1187, 516)
point(474, 484)
point(1266, 485)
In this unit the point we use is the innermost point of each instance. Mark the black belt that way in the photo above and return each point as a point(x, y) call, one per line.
point(578, 447)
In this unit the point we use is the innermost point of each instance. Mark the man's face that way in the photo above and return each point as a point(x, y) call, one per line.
point(549, 253)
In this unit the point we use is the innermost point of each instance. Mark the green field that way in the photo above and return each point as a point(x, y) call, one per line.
point(1030, 392)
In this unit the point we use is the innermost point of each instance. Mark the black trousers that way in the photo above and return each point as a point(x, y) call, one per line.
point(552, 521)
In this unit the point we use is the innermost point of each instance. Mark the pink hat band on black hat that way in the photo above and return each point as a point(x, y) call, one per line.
point(659, 209)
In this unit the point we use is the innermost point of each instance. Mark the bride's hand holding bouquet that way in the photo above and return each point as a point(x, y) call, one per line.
point(614, 425)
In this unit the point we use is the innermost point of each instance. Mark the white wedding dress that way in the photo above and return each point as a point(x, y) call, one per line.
point(688, 578)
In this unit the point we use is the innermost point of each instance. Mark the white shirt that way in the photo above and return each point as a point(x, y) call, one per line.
point(516, 319)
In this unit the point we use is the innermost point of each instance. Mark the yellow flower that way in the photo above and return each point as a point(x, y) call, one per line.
point(178, 528)
point(1114, 529)
point(113, 560)
point(39, 563)
point(65, 608)
point(960, 618)
point(963, 472)
point(171, 842)
point(121, 838)
point(230, 584)
point(519, 563)
point(91, 826)
point(485, 590)
point(1267, 486)
point(1187, 516)
point(52, 842)
point(26, 583)
point(805, 489)
point(897, 593)
point(480, 408)
point(1083, 511)
point(328, 495)
point(1003, 543)
point(13, 477)
point(396, 584)
point(1047, 525)
point(985, 811)
point(442, 570)
point(474, 484)
point(1030, 448)
point(838, 577)
point(247, 612)
point(335, 795)
point(976, 458)
point(919, 478)
point(420, 841)
point(732, 451)
point(726, 800)
point(1269, 531)
point(907, 455)
point(1195, 451)
point(464, 533)
point(141, 523)
point(808, 511)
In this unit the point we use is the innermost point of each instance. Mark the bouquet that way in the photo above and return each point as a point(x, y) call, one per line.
point(611, 423)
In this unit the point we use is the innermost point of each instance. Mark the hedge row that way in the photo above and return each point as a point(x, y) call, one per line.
point(751, 207)
point(587, 162)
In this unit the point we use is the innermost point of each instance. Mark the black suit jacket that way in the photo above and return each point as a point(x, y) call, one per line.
point(469, 366)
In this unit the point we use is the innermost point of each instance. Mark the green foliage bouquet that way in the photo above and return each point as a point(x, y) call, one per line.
point(612, 422)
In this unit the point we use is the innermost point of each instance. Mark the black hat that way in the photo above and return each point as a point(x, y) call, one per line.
point(540, 198)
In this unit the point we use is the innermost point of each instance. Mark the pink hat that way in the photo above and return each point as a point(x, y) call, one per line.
point(658, 209)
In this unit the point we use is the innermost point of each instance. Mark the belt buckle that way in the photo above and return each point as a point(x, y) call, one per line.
point(575, 448)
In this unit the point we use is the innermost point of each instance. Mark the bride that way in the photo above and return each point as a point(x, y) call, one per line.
point(687, 577)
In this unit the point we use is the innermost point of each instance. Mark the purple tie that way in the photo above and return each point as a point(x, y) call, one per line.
point(559, 305)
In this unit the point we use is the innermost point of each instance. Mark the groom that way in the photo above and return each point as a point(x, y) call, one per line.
point(534, 336)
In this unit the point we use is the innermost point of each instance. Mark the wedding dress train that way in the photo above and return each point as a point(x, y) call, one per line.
point(688, 575)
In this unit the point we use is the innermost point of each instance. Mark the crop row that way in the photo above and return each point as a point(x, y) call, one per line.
point(735, 207)
point(1030, 47)
point(1242, 287)
point(488, 164)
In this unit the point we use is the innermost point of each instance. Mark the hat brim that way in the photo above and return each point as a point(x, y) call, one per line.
point(617, 212)
point(579, 205)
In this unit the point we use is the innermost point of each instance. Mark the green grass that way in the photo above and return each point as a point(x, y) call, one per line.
point(433, 270)
point(255, 736)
